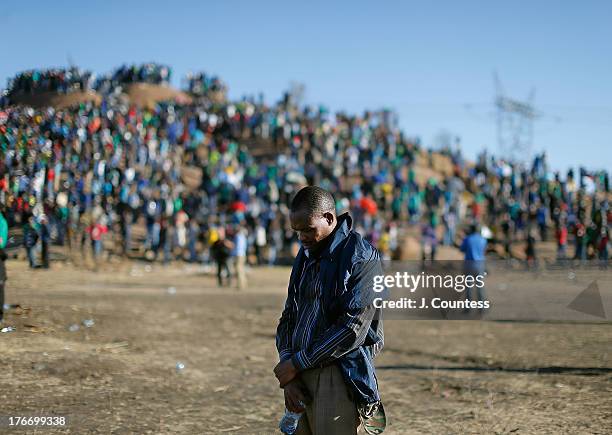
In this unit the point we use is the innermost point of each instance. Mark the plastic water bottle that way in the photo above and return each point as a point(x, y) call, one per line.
point(289, 423)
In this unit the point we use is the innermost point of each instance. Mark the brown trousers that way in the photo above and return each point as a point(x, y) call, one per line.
point(331, 411)
point(240, 272)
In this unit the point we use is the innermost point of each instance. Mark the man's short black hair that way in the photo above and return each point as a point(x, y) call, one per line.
point(313, 199)
point(474, 228)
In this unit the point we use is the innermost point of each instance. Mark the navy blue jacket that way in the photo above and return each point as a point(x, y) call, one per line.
point(347, 267)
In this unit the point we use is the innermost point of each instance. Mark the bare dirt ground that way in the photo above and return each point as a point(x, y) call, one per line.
point(120, 376)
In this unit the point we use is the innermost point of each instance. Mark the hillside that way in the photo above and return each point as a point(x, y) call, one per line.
point(55, 99)
point(147, 95)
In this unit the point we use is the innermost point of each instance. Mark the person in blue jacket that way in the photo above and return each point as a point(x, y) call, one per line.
point(30, 238)
point(330, 331)
point(474, 248)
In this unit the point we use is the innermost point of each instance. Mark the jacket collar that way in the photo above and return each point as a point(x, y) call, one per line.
point(341, 232)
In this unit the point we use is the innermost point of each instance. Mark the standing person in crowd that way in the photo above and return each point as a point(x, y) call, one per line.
point(192, 240)
point(561, 240)
point(125, 222)
point(96, 233)
point(165, 240)
point(450, 222)
point(276, 242)
point(45, 239)
point(30, 238)
point(181, 223)
point(530, 250)
point(429, 242)
point(239, 253)
point(604, 241)
point(474, 248)
point(3, 257)
point(507, 231)
point(74, 221)
point(260, 243)
point(541, 217)
point(580, 242)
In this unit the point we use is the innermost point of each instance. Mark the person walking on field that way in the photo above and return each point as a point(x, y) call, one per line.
point(221, 251)
point(330, 331)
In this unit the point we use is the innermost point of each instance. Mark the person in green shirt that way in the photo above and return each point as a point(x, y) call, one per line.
point(3, 230)
point(3, 240)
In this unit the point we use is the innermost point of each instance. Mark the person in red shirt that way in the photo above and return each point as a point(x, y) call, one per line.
point(561, 241)
point(96, 233)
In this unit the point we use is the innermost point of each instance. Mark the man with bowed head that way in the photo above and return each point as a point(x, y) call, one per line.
point(330, 331)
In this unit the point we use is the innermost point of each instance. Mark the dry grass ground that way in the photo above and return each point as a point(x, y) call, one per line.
point(119, 376)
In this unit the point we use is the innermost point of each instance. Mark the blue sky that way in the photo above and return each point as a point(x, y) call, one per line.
point(432, 62)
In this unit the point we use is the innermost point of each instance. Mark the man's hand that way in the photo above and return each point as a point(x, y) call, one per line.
point(285, 372)
point(295, 398)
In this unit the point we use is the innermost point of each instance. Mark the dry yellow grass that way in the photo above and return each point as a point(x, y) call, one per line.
point(119, 376)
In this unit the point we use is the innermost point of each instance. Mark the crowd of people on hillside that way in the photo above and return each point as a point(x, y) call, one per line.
point(62, 80)
point(533, 204)
point(65, 80)
point(150, 72)
point(202, 84)
point(185, 182)
point(95, 172)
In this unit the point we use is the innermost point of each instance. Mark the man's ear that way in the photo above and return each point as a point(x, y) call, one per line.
point(329, 217)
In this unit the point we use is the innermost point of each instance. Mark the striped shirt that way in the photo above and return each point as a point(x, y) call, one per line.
point(306, 339)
